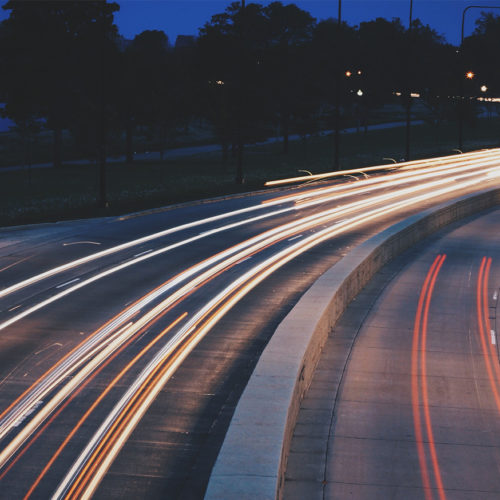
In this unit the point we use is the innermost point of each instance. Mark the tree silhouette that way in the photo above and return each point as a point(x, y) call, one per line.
point(52, 51)
point(289, 35)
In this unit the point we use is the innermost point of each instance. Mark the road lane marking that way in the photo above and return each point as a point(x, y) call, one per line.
point(143, 253)
point(15, 307)
point(81, 243)
point(25, 415)
point(495, 295)
point(493, 337)
point(68, 283)
point(294, 238)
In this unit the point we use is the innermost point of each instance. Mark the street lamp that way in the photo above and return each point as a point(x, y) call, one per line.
point(102, 120)
point(408, 96)
point(337, 94)
point(461, 82)
point(239, 157)
point(484, 88)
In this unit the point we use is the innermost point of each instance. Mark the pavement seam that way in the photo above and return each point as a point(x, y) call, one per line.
point(340, 385)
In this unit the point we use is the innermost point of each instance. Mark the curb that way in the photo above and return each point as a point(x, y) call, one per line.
point(252, 461)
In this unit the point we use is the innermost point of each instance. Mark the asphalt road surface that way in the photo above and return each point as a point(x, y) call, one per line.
point(417, 412)
point(126, 342)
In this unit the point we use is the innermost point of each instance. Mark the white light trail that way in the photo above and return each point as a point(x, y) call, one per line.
point(472, 158)
point(194, 327)
point(233, 255)
point(368, 186)
point(463, 177)
point(339, 173)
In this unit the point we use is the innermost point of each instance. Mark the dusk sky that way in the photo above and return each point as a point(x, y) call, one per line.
point(185, 17)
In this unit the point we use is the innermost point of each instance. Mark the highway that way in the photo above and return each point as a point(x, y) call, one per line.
point(416, 413)
point(125, 342)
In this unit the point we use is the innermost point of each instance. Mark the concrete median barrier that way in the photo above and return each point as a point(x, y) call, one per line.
point(252, 461)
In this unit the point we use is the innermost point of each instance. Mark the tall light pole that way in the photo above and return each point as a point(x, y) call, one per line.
point(338, 78)
point(408, 96)
point(460, 66)
point(239, 152)
point(102, 125)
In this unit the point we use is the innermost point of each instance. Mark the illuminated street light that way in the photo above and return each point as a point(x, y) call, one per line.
point(408, 91)
point(484, 88)
point(241, 97)
point(470, 75)
point(338, 82)
point(348, 74)
point(359, 92)
point(460, 82)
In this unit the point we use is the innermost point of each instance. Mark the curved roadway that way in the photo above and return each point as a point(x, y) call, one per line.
point(414, 412)
point(126, 342)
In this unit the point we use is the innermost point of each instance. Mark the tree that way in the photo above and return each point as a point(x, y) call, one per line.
point(289, 35)
point(150, 99)
point(481, 54)
point(382, 49)
point(50, 52)
point(432, 69)
point(334, 51)
point(231, 48)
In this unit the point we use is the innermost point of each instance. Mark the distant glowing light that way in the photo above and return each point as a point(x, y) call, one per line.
point(489, 99)
point(484, 88)
point(470, 75)
point(348, 74)
point(359, 92)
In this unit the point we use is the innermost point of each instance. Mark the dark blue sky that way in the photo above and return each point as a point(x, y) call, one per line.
point(186, 16)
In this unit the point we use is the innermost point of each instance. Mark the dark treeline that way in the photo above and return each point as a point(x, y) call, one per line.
point(250, 74)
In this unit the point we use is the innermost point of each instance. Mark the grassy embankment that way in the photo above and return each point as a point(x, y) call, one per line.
point(36, 195)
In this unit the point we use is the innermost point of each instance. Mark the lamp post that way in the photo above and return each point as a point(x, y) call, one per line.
point(408, 96)
point(338, 78)
point(461, 81)
point(239, 152)
point(102, 120)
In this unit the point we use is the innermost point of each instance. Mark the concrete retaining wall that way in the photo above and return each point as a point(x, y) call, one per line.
point(252, 460)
